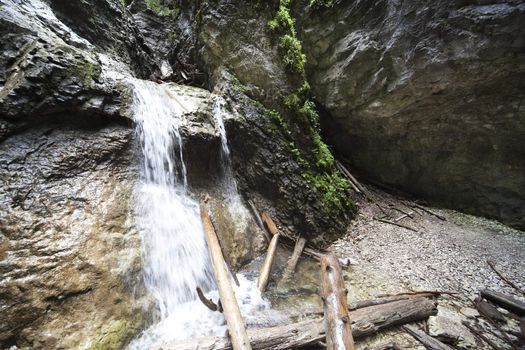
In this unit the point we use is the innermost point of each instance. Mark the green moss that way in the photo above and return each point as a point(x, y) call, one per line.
point(290, 46)
point(113, 336)
point(319, 3)
point(293, 58)
point(163, 8)
point(333, 188)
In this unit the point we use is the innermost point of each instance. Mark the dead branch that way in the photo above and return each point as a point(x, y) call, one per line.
point(509, 282)
point(207, 302)
point(396, 224)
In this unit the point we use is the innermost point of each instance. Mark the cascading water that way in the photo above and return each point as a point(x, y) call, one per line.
point(175, 256)
point(233, 200)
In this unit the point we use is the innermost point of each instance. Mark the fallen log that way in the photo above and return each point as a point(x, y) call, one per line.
point(480, 335)
point(264, 272)
point(337, 320)
point(386, 300)
point(232, 314)
point(366, 321)
point(269, 224)
point(341, 168)
point(505, 301)
point(294, 259)
point(358, 187)
point(226, 258)
point(425, 339)
point(488, 310)
point(258, 220)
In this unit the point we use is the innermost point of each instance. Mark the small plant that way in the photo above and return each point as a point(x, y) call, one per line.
point(163, 8)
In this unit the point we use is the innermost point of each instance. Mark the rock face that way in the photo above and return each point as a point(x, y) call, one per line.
point(426, 96)
point(70, 263)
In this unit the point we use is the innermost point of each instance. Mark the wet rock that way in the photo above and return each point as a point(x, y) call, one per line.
point(426, 96)
point(447, 327)
point(268, 172)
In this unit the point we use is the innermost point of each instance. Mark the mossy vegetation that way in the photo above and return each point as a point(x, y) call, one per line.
point(318, 161)
point(163, 8)
point(321, 3)
point(290, 46)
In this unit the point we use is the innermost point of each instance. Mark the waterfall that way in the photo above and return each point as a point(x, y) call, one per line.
point(175, 257)
point(233, 200)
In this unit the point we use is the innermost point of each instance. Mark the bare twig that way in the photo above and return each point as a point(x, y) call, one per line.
point(396, 224)
point(509, 282)
point(440, 217)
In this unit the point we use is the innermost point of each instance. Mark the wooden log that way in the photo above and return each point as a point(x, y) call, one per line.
point(352, 178)
point(505, 301)
point(425, 339)
point(292, 262)
point(337, 320)
point(480, 335)
point(509, 282)
point(207, 302)
point(488, 310)
point(385, 300)
point(269, 224)
point(266, 268)
point(340, 167)
point(258, 220)
point(232, 313)
point(367, 321)
point(227, 261)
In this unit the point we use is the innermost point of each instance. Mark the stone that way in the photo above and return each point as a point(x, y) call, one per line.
point(447, 327)
point(426, 98)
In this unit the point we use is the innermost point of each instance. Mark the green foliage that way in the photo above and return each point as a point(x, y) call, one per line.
point(163, 8)
point(290, 46)
point(282, 21)
point(325, 3)
point(293, 57)
point(333, 188)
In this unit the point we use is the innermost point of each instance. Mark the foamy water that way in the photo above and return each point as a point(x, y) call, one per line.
point(175, 256)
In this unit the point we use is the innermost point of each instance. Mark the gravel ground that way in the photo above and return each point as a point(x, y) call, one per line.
point(445, 255)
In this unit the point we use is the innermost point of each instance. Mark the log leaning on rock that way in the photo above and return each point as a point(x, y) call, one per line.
point(294, 259)
point(505, 301)
point(231, 311)
point(366, 321)
point(337, 320)
point(264, 273)
point(266, 268)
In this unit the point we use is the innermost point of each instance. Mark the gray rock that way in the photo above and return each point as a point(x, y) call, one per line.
point(426, 96)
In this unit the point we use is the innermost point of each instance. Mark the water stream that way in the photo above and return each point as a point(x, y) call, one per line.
point(175, 256)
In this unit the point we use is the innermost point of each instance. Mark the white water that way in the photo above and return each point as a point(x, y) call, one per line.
point(233, 200)
point(175, 257)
